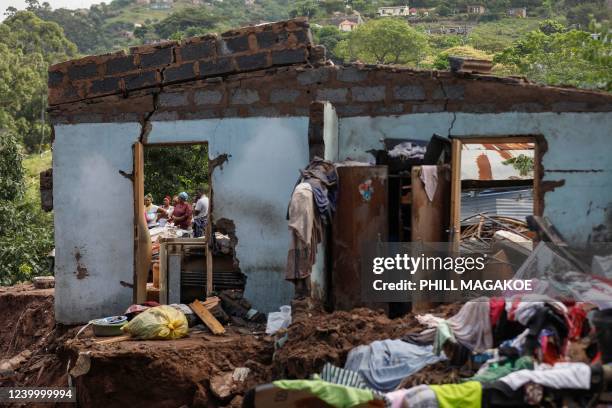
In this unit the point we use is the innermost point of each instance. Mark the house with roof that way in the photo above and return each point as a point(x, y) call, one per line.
point(476, 9)
point(394, 11)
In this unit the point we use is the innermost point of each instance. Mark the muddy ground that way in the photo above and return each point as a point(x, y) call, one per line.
point(195, 371)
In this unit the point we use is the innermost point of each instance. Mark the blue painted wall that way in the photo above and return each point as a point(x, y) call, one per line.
point(576, 141)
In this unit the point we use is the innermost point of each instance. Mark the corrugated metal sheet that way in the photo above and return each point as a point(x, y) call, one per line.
point(513, 203)
point(486, 161)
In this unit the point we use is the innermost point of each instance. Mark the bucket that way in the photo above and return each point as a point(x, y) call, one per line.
point(602, 320)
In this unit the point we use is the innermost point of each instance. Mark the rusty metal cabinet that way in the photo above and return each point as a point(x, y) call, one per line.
point(361, 219)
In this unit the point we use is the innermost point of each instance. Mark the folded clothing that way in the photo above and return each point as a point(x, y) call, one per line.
point(384, 364)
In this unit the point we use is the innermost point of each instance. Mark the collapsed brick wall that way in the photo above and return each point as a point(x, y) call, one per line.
point(275, 70)
point(242, 50)
point(354, 90)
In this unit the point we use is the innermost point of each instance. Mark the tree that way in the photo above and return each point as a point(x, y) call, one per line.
point(387, 40)
point(183, 19)
point(30, 34)
point(329, 36)
point(11, 170)
point(27, 46)
point(304, 8)
point(566, 58)
point(170, 170)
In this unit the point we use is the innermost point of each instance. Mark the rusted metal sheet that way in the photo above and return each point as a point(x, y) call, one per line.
point(361, 219)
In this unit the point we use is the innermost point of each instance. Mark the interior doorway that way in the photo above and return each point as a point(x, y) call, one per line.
point(495, 186)
point(173, 206)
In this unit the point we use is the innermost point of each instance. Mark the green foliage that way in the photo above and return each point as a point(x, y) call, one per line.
point(385, 41)
point(304, 8)
point(11, 171)
point(522, 163)
point(26, 237)
point(568, 58)
point(329, 36)
point(27, 46)
point(28, 33)
point(184, 19)
point(170, 170)
point(498, 35)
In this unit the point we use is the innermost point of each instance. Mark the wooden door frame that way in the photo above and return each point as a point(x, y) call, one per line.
point(138, 188)
point(457, 144)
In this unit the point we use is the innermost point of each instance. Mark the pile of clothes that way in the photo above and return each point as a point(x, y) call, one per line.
point(520, 345)
point(312, 205)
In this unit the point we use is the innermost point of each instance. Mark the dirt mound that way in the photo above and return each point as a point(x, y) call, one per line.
point(316, 337)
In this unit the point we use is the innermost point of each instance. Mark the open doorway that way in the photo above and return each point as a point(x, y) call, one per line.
point(495, 187)
point(176, 244)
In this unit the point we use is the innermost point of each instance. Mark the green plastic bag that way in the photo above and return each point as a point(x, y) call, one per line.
point(158, 323)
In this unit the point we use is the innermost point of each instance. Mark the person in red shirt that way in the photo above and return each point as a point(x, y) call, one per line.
point(181, 216)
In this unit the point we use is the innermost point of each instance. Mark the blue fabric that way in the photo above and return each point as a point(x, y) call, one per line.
point(384, 364)
point(184, 196)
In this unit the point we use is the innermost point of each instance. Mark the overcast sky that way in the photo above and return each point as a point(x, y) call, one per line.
point(71, 4)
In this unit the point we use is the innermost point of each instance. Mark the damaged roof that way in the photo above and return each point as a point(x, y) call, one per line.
point(276, 70)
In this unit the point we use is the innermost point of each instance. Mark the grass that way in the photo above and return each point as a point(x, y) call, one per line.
point(497, 35)
point(33, 165)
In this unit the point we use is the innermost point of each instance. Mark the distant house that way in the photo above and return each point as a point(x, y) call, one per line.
point(143, 2)
point(520, 12)
point(346, 22)
point(347, 25)
point(420, 11)
point(160, 4)
point(249, 3)
point(476, 9)
point(394, 11)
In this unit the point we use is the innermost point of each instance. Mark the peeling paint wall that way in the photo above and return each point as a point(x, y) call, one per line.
point(578, 153)
point(253, 189)
point(94, 218)
point(94, 205)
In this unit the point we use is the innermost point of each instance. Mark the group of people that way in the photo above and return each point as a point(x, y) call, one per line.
point(179, 211)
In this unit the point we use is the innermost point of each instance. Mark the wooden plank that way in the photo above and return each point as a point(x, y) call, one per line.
point(163, 274)
point(115, 339)
point(455, 222)
point(209, 320)
point(142, 239)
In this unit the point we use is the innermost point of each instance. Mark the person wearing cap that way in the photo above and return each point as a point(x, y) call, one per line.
point(181, 216)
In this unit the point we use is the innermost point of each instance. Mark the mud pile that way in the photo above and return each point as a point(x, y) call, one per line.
point(316, 337)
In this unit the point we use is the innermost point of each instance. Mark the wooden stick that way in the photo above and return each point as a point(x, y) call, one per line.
point(209, 320)
point(115, 339)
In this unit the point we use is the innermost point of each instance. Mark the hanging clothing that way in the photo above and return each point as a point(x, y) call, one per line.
point(561, 375)
point(323, 177)
point(465, 395)
point(384, 364)
point(429, 177)
point(306, 233)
